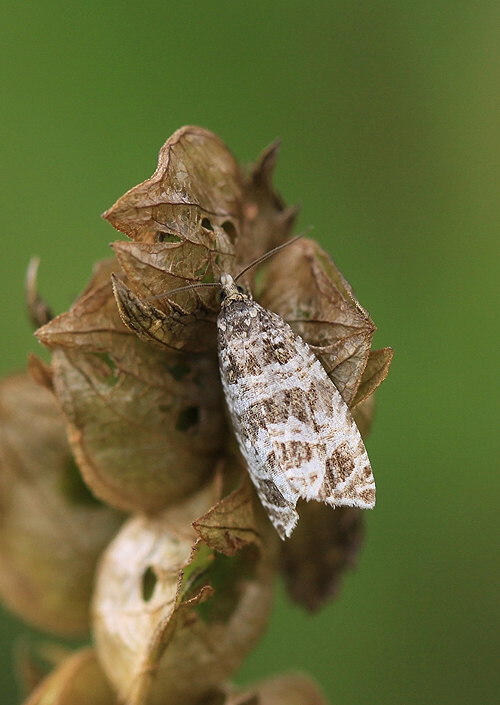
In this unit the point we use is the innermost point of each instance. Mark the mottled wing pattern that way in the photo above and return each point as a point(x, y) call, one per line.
point(293, 428)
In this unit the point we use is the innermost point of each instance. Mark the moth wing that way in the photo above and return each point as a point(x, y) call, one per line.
point(308, 443)
point(255, 443)
point(319, 449)
point(293, 428)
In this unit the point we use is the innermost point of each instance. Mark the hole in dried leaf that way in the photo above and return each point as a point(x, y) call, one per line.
point(74, 488)
point(149, 580)
point(179, 371)
point(166, 237)
point(219, 697)
point(230, 230)
point(205, 223)
point(201, 271)
point(110, 377)
point(188, 418)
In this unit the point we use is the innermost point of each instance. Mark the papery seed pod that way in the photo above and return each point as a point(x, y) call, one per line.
point(285, 689)
point(173, 618)
point(79, 680)
point(197, 177)
point(146, 424)
point(52, 529)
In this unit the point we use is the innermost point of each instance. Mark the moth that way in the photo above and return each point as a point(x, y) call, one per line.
point(293, 428)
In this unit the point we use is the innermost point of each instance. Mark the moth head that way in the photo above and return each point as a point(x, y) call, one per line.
point(230, 291)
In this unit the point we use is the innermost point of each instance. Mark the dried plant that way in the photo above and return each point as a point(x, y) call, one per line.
point(132, 403)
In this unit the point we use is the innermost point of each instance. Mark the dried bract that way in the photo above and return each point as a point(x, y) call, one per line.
point(146, 425)
point(52, 529)
point(286, 689)
point(172, 617)
point(79, 680)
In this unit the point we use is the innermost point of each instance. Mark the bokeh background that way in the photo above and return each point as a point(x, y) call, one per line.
point(389, 114)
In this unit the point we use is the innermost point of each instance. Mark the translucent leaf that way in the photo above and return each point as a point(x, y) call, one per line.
point(325, 543)
point(93, 323)
point(146, 424)
point(230, 524)
point(376, 370)
point(79, 680)
point(152, 269)
point(141, 445)
point(173, 618)
point(304, 287)
point(52, 529)
point(197, 180)
point(178, 329)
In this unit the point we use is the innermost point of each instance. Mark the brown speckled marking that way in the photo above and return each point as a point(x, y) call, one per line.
point(293, 454)
point(272, 493)
point(367, 474)
point(276, 351)
point(296, 400)
point(342, 461)
point(367, 495)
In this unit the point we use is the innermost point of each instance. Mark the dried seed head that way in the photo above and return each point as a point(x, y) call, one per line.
point(79, 679)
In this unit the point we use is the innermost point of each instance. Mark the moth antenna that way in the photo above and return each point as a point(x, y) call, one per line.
point(180, 288)
point(272, 252)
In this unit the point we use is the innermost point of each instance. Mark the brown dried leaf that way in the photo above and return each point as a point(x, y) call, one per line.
point(286, 689)
point(38, 310)
point(230, 524)
point(163, 635)
point(142, 442)
point(146, 424)
point(178, 247)
point(51, 528)
point(197, 177)
point(154, 269)
point(93, 323)
point(40, 372)
point(267, 222)
point(376, 370)
point(101, 272)
point(305, 288)
point(78, 681)
point(325, 543)
point(175, 330)
point(363, 415)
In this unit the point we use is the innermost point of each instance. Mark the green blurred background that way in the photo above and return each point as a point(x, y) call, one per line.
point(389, 117)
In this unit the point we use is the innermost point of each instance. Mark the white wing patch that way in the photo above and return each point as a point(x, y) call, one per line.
point(293, 428)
